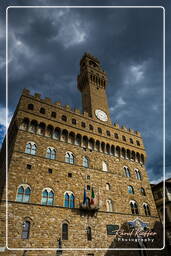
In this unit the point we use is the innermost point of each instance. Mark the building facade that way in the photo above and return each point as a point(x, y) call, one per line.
point(159, 196)
point(74, 179)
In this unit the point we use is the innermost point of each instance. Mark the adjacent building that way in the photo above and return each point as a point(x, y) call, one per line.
point(160, 194)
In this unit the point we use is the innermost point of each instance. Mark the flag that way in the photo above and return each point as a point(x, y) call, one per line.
point(92, 197)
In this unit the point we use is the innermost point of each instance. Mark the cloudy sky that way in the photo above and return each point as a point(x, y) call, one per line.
point(45, 47)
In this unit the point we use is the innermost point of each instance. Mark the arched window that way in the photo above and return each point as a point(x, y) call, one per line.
point(33, 126)
point(69, 158)
point(25, 230)
point(116, 136)
point(64, 118)
point(99, 130)
point(134, 207)
point(69, 200)
point(130, 190)
point(51, 153)
point(138, 174)
point(66, 200)
point(23, 194)
point(104, 166)
point(25, 124)
point(131, 141)
point(108, 133)
point(138, 143)
point(41, 129)
point(123, 138)
point(31, 148)
point(109, 205)
point(30, 106)
point(74, 121)
point(42, 110)
point(127, 172)
point(89, 234)
point(85, 162)
point(47, 197)
point(142, 191)
point(64, 231)
point(107, 186)
point(83, 124)
point(146, 209)
point(91, 127)
point(53, 114)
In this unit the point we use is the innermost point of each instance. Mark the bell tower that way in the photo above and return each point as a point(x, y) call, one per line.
point(92, 82)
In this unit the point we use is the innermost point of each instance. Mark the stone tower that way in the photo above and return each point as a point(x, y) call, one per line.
point(92, 82)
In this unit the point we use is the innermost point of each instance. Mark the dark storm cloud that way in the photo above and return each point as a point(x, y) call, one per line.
point(45, 47)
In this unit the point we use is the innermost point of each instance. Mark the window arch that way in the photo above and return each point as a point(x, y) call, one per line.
point(138, 174)
point(131, 141)
point(31, 148)
point(69, 158)
point(25, 230)
point(130, 189)
point(91, 127)
point(108, 186)
point(23, 193)
point(134, 207)
point(42, 111)
point(127, 171)
point(85, 162)
point(53, 114)
point(65, 231)
point(69, 200)
point(99, 130)
point(123, 138)
point(109, 205)
point(142, 191)
point(89, 234)
point(104, 166)
point(30, 106)
point(51, 153)
point(47, 196)
point(64, 118)
point(66, 200)
point(116, 136)
point(146, 209)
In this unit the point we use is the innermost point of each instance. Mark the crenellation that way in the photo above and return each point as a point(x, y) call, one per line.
point(37, 96)
point(26, 92)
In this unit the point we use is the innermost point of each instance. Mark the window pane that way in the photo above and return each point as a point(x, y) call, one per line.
point(26, 198)
point(19, 198)
point(50, 201)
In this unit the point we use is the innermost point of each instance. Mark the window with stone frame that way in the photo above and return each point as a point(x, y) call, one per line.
point(89, 234)
point(85, 162)
point(130, 189)
point(69, 158)
point(146, 209)
point(30, 106)
point(134, 207)
point(51, 153)
point(65, 231)
point(25, 230)
point(23, 193)
point(31, 148)
point(47, 196)
point(42, 111)
point(53, 114)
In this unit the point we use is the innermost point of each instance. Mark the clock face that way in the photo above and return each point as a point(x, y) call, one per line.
point(101, 115)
